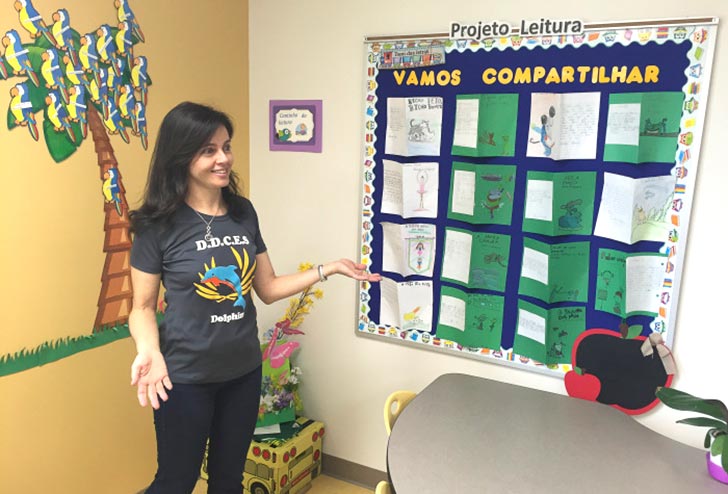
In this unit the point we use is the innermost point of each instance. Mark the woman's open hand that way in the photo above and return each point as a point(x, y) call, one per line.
point(149, 374)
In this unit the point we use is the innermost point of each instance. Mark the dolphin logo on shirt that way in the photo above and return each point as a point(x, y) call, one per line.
point(226, 275)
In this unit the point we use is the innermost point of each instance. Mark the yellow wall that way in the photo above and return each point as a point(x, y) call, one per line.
point(73, 426)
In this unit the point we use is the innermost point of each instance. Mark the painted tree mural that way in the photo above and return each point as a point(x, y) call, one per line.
point(68, 85)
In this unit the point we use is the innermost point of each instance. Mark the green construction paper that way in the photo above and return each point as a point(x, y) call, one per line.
point(572, 204)
point(491, 193)
point(659, 127)
point(563, 326)
point(568, 272)
point(496, 131)
point(489, 256)
point(611, 282)
point(483, 319)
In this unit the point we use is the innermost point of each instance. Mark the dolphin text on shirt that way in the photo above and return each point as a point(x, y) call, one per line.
point(227, 240)
point(226, 317)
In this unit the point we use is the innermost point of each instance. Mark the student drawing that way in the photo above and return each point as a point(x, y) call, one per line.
point(421, 181)
point(496, 196)
point(543, 131)
point(655, 129)
point(420, 251)
point(571, 220)
point(419, 131)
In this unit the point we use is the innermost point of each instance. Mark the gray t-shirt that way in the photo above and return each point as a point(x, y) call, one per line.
point(209, 333)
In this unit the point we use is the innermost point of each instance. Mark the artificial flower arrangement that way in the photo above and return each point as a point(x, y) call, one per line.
point(279, 398)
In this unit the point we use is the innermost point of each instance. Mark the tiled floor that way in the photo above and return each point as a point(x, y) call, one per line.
point(320, 485)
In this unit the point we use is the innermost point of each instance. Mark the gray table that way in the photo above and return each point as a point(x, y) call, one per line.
point(469, 435)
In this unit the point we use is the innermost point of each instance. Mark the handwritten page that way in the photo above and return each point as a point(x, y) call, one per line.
point(645, 275)
point(633, 210)
point(623, 124)
point(452, 312)
point(474, 320)
point(414, 126)
point(410, 189)
point(548, 335)
point(408, 249)
point(456, 257)
point(407, 305)
point(531, 326)
point(463, 192)
point(466, 123)
point(535, 266)
point(564, 126)
point(539, 200)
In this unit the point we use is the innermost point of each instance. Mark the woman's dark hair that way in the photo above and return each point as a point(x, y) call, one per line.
point(184, 131)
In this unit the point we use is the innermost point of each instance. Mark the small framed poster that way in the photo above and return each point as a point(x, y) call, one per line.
point(295, 125)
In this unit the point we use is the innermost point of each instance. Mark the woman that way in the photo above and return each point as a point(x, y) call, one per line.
point(201, 368)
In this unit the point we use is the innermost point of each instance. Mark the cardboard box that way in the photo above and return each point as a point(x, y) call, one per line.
point(284, 463)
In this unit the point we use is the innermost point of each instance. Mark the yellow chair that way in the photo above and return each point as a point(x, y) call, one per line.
point(394, 405)
point(383, 488)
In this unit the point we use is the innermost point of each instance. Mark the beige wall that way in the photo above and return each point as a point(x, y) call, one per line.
point(309, 205)
point(73, 426)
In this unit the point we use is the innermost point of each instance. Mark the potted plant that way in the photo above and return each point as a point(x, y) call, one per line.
point(717, 420)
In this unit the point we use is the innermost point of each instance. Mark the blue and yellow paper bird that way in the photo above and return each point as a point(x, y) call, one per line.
point(17, 56)
point(89, 58)
point(113, 122)
point(124, 46)
point(22, 109)
point(139, 77)
point(110, 189)
point(105, 46)
point(61, 30)
point(125, 14)
point(77, 107)
point(126, 100)
point(51, 72)
point(31, 20)
point(58, 115)
point(139, 123)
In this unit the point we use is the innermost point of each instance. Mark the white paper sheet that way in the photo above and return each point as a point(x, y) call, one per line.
point(623, 124)
point(463, 192)
point(456, 258)
point(644, 283)
point(564, 126)
point(410, 189)
point(452, 312)
point(531, 326)
point(466, 123)
point(392, 189)
point(633, 210)
point(414, 126)
point(408, 249)
point(539, 200)
point(535, 265)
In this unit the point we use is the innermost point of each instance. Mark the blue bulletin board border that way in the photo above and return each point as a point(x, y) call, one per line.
point(683, 51)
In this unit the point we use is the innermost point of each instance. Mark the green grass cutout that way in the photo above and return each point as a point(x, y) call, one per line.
point(50, 351)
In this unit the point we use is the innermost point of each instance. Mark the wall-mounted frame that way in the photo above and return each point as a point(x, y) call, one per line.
point(295, 125)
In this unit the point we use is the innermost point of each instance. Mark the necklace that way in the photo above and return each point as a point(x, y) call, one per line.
point(208, 224)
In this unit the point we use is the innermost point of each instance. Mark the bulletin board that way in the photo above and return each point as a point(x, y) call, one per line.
point(518, 191)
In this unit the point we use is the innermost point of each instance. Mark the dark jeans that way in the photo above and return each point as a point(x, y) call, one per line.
point(226, 413)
